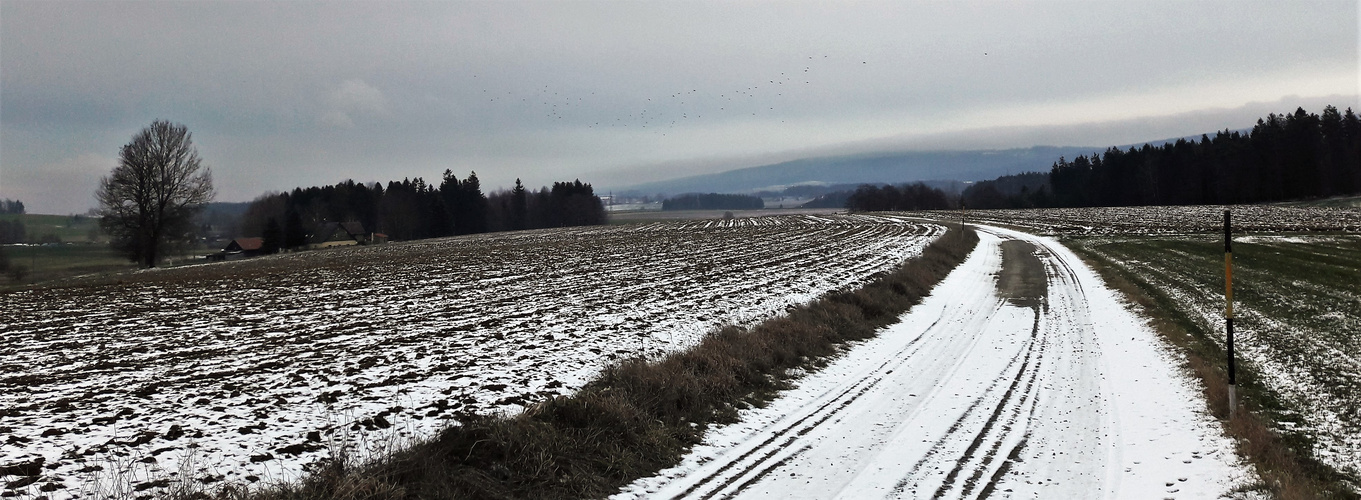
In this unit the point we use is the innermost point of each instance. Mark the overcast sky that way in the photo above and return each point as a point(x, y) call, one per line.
point(286, 94)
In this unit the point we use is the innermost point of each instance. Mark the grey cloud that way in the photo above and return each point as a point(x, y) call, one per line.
point(282, 94)
point(353, 97)
point(64, 186)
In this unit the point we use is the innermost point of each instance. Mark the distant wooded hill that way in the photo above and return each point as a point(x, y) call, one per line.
point(867, 169)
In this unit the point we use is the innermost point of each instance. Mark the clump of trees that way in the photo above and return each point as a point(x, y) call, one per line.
point(151, 199)
point(565, 204)
point(8, 206)
point(1027, 190)
point(414, 209)
point(713, 201)
point(1284, 157)
point(11, 231)
point(916, 196)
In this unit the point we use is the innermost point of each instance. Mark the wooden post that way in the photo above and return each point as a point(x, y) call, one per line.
point(1228, 312)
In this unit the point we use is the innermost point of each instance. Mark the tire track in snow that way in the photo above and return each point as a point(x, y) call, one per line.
point(773, 450)
point(1013, 411)
point(822, 413)
point(974, 397)
point(1010, 409)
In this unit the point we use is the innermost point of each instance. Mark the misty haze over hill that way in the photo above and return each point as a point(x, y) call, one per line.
point(892, 168)
point(880, 168)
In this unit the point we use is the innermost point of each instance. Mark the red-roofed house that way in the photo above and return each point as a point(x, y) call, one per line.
point(245, 245)
point(240, 248)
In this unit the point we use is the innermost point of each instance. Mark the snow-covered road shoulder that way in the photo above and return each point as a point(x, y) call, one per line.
point(973, 395)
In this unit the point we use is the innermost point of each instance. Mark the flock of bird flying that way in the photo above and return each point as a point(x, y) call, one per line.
point(666, 110)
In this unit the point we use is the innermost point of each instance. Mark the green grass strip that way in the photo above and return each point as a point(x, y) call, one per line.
point(1281, 459)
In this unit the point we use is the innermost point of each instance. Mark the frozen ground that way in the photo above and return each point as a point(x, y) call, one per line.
point(248, 371)
point(1055, 392)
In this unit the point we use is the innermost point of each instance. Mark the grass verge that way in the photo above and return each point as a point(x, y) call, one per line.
point(639, 416)
point(1285, 472)
point(44, 264)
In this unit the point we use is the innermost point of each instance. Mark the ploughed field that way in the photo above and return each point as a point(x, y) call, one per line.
point(252, 370)
point(1297, 299)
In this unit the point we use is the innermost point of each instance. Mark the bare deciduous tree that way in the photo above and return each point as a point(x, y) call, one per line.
point(152, 197)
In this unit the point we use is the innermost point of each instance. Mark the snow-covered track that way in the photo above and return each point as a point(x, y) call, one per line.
point(978, 393)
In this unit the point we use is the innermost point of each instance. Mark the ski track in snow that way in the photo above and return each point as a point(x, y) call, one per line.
point(970, 396)
point(251, 370)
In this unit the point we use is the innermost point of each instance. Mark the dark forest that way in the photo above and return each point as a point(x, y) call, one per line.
point(1284, 157)
point(413, 209)
point(713, 201)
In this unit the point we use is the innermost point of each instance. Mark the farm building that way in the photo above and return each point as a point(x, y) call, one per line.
point(240, 248)
point(331, 234)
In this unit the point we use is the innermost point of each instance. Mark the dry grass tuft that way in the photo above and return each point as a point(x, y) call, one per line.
point(639, 416)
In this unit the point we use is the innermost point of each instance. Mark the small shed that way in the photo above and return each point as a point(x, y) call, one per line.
point(245, 245)
point(240, 248)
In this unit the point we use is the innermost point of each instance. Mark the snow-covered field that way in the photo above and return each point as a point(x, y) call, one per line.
point(971, 396)
point(247, 371)
point(1297, 311)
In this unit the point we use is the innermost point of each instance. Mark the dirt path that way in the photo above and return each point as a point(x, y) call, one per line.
point(1020, 377)
point(1022, 280)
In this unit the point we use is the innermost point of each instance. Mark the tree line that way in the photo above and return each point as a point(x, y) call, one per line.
point(151, 203)
point(885, 198)
point(8, 206)
point(713, 201)
point(414, 209)
point(1283, 157)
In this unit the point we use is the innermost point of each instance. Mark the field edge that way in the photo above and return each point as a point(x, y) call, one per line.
point(1284, 472)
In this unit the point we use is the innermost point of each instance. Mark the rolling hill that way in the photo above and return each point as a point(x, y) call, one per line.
point(894, 168)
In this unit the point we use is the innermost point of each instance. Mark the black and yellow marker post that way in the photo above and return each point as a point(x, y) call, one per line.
point(1228, 311)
